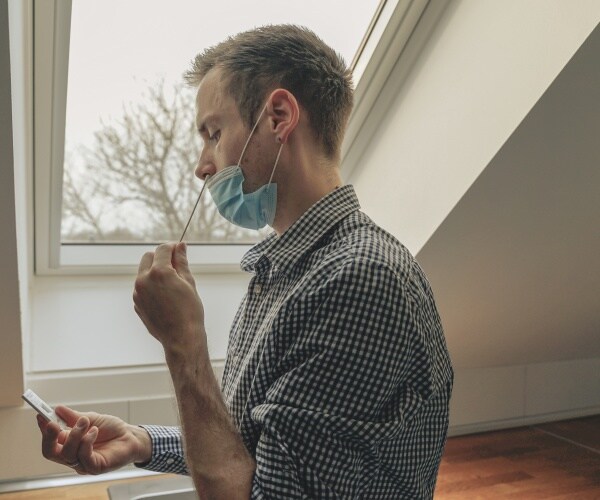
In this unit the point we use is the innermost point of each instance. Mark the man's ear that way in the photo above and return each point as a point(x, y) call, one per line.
point(283, 112)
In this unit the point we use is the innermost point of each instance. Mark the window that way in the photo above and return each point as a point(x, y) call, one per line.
point(115, 145)
point(63, 308)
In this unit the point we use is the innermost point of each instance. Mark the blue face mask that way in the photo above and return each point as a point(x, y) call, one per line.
point(249, 210)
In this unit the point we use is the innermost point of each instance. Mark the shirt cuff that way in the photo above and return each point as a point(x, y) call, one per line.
point(167, 450)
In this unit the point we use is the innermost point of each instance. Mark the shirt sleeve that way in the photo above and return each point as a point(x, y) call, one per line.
point(167, 450)
point(346, 387)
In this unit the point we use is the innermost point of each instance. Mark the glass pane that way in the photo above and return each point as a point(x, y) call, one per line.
point(130, 140)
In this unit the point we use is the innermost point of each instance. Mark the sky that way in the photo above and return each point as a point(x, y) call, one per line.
point(119, 47)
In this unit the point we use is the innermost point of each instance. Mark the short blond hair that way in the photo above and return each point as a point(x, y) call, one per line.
point(290, 57)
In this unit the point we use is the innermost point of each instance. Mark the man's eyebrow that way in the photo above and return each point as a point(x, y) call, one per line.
point(207, 119)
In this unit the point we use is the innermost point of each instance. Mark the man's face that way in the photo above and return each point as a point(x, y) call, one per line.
point(224, 134)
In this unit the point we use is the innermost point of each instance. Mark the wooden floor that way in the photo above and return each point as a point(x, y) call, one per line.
point(560, 460)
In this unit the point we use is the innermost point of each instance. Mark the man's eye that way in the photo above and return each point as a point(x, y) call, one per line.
point(215, 136)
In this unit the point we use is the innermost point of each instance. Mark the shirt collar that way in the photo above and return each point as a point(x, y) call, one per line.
point(282, 252)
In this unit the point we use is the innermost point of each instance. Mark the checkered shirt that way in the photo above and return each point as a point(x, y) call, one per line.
point(337, 371)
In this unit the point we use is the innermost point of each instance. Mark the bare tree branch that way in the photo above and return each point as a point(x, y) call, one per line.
point(137, 181)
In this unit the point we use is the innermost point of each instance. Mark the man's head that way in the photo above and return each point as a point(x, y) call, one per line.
point(255, 62)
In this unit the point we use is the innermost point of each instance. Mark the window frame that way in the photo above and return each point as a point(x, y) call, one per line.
point(379, 51)
point(50, 31)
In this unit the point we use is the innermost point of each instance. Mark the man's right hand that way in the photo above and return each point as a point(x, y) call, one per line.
point(95, 443)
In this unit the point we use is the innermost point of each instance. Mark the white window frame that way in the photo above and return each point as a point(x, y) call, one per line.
point(378, 55)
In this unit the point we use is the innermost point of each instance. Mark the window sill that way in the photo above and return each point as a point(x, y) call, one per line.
point(123, 259)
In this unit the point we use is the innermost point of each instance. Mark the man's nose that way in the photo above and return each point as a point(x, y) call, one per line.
point(205, 166)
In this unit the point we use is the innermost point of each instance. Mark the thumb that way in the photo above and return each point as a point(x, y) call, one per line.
point(180, 262)
point(180, 255)
point(67, 414)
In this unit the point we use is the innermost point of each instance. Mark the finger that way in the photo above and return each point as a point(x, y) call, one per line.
point(56, 432)
point(42, 422)
point(70, 449)
point(163, 256)
point(180, 263)
point(50, 447)
point(67, 414)
point(52, 432)
point(146, 262)
point(86, 451)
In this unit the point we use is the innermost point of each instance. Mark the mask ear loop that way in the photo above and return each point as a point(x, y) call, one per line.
point(248, 142)
point(276, 162)
point(251, 134)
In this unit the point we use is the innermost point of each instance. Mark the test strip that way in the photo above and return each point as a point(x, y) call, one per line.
point(43, 408)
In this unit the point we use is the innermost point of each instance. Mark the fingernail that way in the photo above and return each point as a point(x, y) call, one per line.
point(81, 424)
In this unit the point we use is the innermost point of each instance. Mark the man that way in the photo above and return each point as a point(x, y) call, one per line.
point(337, 379)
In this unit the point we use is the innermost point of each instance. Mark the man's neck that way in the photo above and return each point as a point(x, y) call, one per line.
point(302, 190)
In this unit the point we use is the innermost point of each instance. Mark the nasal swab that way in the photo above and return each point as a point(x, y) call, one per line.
point(194, 209)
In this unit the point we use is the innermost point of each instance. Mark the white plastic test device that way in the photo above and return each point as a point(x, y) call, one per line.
point(43, 408)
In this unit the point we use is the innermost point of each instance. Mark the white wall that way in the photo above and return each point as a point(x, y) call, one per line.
point(484, 67)
point(84, 322)
point(515, 264)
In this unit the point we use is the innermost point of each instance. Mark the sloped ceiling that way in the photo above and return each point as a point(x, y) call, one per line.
point(515, 266)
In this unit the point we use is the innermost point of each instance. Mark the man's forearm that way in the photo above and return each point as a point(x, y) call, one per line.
point(217, 458)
